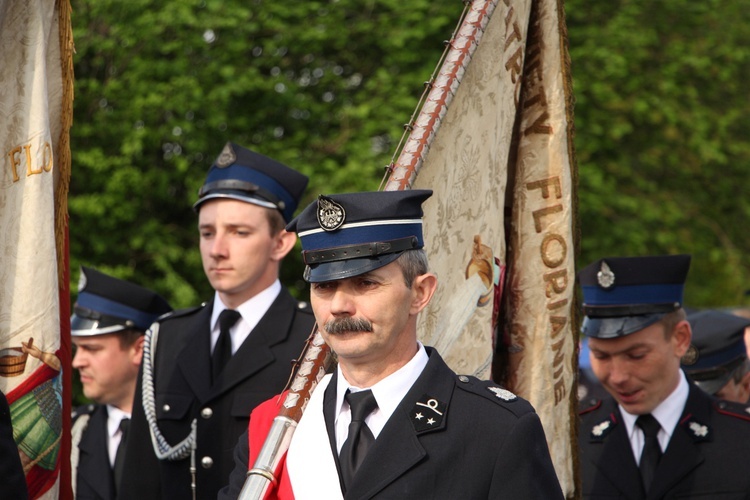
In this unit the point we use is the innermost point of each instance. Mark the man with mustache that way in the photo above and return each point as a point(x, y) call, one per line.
point(658, 435)
point(393, 421)
point(206, 368)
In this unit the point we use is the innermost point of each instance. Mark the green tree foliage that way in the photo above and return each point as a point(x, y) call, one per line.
point(322, 86)
point(325, 87)
point(661, 117)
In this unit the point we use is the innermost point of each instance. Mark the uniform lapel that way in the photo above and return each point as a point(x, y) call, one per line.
point(611, 454)
point(93, 464)
point(255, 352)
point(329, 414)
point(399, 440)
point(194, 361)
point(683, 453)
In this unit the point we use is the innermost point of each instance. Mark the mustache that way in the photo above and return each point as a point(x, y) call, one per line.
point(341, 325)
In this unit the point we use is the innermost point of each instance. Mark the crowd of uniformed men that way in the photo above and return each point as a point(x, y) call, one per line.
point(664, 390)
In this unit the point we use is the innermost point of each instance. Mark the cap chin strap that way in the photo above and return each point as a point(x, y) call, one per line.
point(162, 449)
point(347, 252)
point(629, 310)
point(238, 185)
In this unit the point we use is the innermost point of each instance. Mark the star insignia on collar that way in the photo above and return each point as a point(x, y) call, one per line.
point(429, 414)
point(698, 429)
point(503, 394)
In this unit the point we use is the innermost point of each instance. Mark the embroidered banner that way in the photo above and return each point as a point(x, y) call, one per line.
point(493, 139)
point(36, 86)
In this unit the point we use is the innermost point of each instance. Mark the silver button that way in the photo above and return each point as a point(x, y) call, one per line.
point(463, 378)
point(207, 413)
point(166, 408)
point(207, 462)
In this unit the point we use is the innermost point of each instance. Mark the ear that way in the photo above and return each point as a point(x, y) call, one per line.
point(136, 350)
point(423, 288)
point(283, 244)
point(681, 336)
point(745, 387)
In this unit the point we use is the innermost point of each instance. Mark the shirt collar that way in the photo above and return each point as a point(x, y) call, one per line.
point(391, 390)
point(667, 413)
point(252, 310)
point(114, 416)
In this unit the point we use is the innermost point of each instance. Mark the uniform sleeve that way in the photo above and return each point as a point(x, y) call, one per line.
point(523, 468)
point(237, 477)
point(141, 477)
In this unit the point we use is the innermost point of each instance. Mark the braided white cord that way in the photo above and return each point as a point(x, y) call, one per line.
point(163, 450)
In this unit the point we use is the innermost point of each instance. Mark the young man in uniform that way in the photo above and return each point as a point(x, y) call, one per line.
point(657, 435)
point(107, 327)
point(717, 359)
point(206, 368)
point(393, 421)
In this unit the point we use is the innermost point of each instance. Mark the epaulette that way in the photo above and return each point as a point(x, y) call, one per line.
point(82, 410)
point(180, 313)
point(737, 410)
point(588, 406)
point(490, 390)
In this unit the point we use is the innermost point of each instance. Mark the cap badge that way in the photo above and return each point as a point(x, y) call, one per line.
point(331, 215)
point(82, 281)
point(503, 394)
point(691, 356)
point(605, 277)
point(226, 157)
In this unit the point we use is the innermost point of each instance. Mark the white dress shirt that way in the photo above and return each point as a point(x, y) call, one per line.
point(114, 416)
point(388, 393)
point(667, 414)
point(251, 310)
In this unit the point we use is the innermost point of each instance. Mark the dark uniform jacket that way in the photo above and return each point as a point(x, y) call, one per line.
point(487, 444)
point(12, 480)
point(94, 479)
point(707, 456)
point(183, 391)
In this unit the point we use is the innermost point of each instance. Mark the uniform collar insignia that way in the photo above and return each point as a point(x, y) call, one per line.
point(603, 428)
point(331, 215)
point(697, 430)
point(605, 277)
point(428, 413)
point(503, 394)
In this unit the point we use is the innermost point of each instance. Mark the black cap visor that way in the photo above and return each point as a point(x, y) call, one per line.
point(609, 328)
point(85, 323)
point(336, 270)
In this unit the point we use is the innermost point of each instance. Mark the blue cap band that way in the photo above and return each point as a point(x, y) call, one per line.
point(633, 294)
point(142, 320)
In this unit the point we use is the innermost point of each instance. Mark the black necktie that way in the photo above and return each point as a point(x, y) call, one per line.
point(651, 450)
point(360, 436)
point(120, 454)
point(223, 348)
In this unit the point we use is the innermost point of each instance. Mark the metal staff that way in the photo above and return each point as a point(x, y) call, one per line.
point(315, 361)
